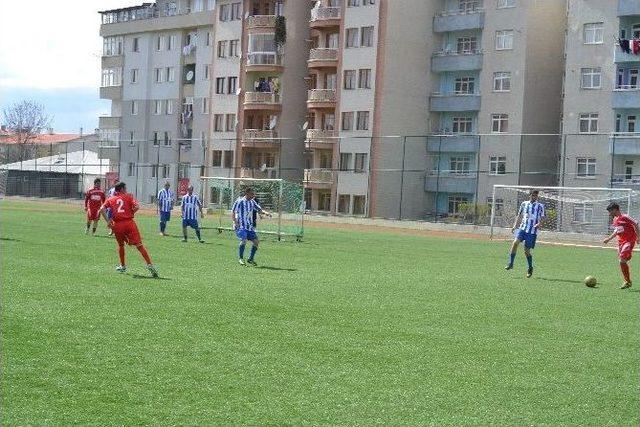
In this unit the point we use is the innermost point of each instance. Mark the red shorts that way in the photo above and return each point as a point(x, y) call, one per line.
point(92, 214)
point(625, 250)
point(127, 232)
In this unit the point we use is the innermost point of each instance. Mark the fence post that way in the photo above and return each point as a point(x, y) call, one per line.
point(438, 174)
point(404, 154)
point(475, 213)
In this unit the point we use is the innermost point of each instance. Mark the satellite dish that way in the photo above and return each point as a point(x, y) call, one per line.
point(273, 122)
point(263, 168)
point(238, 91)
point(235, 124)
point(190, 75)
point(305, 126)
point(246, 14)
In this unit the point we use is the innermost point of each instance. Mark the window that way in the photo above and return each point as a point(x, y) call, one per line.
point(499, 208)
point(359, 203)
point(504, 40)
point(132, 139)
point(222, 49)
point(232, 85)
point(345, 161)
point(628, 170)
point(134, 108)
point(156, 139)
point(583, 213)
point(502, 81)
point(112, 46)
point(216, 158)
point(363, 120)
point(591, 78)
point(633, 79)
point(234, 48)
point(214, 196)
point(462, 125)
point(158, 75)
point(206, 72)
point(205, 105)
point(466, 45)
point(135, 44)
point(498, 165)
point(154, 171)
point(618, 123)
point(231, 122)
point(353, 3)
point(157, 109)
point(465, 85)
point(209, 38)
point(368, 2)
point(468, 5)
point(169, 109)
point(364, 79)
point(631, 124)
point(171, 74)
point(111, 77)
point(225, 12)
point(366, 37)
point(459, 165)
point(360, 163)
point(236, 11)
point(172, 41)
point(499, 123)
point(352, 37)
point(220, 85)
point(349, 79)
point(594, 33)
point(344, 202)
point(131, 169)
point(166, 171)
point(588, 123)
point(167, 138)
point(134, 75)
point(328, 121)
point(455, 204)
point(228, 159)
point(218, 122)
point(502, 4)
point(347, 120)
point(160, 41)
point(586, 168)
point(183, 170)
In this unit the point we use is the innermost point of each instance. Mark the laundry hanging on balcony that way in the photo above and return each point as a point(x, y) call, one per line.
point(630, 46)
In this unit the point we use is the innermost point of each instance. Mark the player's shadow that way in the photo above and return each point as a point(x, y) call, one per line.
point(9, 239)
point(139, 276)
point(264, 267)
point(559, 280)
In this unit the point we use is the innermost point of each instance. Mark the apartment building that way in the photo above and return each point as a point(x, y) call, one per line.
point(601, 96)
point(473, 74)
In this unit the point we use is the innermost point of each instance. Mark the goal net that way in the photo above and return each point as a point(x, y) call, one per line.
point(3, 182)
point(283, 199)
point(580, 211)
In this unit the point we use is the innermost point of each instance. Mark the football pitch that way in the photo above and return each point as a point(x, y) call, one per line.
point(347, 327)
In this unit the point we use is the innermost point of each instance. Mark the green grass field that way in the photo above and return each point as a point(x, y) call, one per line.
point(343, 328)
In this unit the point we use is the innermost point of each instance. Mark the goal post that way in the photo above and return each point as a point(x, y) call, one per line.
point(571, 210)
point(284, 199)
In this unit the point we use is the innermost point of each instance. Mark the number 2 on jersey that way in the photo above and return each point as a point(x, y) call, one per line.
point(120, 203)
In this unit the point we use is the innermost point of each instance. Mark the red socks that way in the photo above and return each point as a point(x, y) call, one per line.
point(625, 272)
point(144, 254)
point(121, 253)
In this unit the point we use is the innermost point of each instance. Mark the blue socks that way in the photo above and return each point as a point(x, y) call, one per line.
point(512, 258)
point(241, 250)
point(254, 249)
point(198, 233)
point(530, 261)
point(163, 226)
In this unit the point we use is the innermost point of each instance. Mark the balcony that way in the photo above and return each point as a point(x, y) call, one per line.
point(321, 98)
point(625, 97)
point(443, 61)
point(622, 181)
point(261, 22)
point(150, 18)
point(111, 92)
point(318, 178)
point(453, 143)
point(628, 7)
point(257, 138)
point(320, 138)
point(325, 17)
point(447, 182)
point(621, 57)
point(454, 102)
point(106, 122)
point(268, 173)
point(262, 101)
point(458, 20)
point(323, 58)
point(625, 144)
point(113, 61)
point(265, 61)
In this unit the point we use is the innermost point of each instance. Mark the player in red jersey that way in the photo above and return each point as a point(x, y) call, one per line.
point(123, 207)
point(626, 229)
point(93, 200)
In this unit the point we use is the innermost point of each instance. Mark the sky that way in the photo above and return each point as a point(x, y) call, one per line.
point(50, 52)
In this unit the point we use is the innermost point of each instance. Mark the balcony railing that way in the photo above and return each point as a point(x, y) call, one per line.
point(322, 95)
point(320, 176)
point(261, 21)
point(456, 12)
point(321, 135)
point(325, 13)
point(264, 58)
point(268, 173)
point(140, 13)
point(259, 135)
point(448, 52)
point(261, 98)
point(323, 54)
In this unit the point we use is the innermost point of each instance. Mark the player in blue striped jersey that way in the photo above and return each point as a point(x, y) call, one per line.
point(110, 193)
point(191, 207)
point(166, 200)
point(244, 225)
point(530, 215)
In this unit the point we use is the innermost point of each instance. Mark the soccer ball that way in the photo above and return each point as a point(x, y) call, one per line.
point(590, 281)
